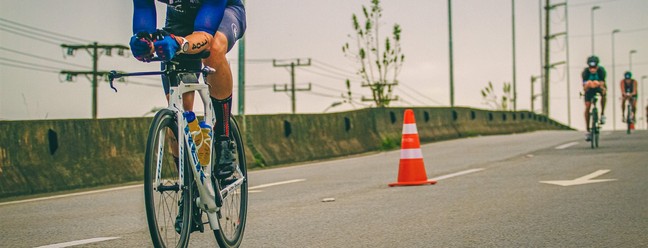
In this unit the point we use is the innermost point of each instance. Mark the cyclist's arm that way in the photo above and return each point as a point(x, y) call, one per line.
point(622, 83)
point(144, 16)
point(207, 21)
point(634, 87)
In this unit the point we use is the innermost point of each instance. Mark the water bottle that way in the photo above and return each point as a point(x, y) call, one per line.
point(205, 147)
point(194, 129)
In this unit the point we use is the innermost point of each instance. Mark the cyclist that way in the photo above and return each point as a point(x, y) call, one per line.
point(195, 26)
point(629, 91)
point(191, 27)
point(593, 83)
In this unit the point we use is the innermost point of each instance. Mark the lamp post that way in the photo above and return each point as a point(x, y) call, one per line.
point(613, 82)
point(452, 102)
point(630, 57)
point(592, 24)
point(643, 107)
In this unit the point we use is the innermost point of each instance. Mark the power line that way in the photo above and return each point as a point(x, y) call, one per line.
point(29, 36)
point(35, 33)
point(43, 58)
point(28, 67)
point(608, 33)
point(334, 67)
point(27, 63)
point(591, 3)
point(44, 31)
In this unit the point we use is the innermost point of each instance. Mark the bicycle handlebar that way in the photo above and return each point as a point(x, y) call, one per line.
point(112, 75)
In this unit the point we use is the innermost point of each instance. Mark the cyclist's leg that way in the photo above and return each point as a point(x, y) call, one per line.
point(589, 94)
point(634, 108)
point(623, 108)
point(231, 29)
point(588, 105)
point(603, 91)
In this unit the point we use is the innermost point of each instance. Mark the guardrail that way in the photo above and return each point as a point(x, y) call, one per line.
point(53, 155)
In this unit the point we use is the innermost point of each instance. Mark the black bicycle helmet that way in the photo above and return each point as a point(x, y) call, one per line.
point(593, 61)
point(627, 75)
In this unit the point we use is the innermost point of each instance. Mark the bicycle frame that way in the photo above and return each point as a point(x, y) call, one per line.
point(208, 199)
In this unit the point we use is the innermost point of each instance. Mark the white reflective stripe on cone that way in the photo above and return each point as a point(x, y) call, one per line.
point(409, 129)
point(411, 153)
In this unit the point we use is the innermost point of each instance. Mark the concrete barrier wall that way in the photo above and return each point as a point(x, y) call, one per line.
point(53, 155)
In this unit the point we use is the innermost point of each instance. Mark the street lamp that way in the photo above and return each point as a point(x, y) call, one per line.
point(630, 55)
point(592, 24)
point(613, 82)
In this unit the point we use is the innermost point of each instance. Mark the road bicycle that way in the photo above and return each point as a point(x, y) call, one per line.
point(594, 123)
point(630, 116)
point(179, 187)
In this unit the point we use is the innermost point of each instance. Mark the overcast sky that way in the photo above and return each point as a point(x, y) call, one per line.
point(286, 29)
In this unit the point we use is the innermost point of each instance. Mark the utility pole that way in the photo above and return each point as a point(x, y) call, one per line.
point(93, 50)
point(547, 62)
point(241, 75)
point(292, 88)
point(452, 101)
point(514, 72)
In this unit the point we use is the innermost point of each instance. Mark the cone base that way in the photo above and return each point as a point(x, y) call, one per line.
point(416, 183)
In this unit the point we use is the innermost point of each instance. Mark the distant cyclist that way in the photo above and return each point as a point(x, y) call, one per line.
point(593, 83)
point(629, 91)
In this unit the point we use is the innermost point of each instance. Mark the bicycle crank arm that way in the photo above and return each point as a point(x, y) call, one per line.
point(227, 190)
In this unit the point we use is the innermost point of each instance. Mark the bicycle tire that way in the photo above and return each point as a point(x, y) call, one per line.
point(233, 213)
point(629, 119)
point(594, 128)
point(162, 201)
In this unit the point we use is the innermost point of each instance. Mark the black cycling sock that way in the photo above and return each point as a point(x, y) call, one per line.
point(223, 111)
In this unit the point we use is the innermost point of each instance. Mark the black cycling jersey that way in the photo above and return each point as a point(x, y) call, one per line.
point(629, 85)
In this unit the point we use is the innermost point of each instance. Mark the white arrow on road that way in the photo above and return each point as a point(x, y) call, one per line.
point(582, 180)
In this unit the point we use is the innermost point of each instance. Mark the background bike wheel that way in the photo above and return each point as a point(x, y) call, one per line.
point(629, 119)
point(233, 213)
point(161, 199)
point(594, 129)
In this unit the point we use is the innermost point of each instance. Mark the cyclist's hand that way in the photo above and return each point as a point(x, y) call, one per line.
point(167, 47)
point(142, 46)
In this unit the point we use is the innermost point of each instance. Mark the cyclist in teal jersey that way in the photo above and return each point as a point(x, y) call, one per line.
point(593, 83)
point(629, 91)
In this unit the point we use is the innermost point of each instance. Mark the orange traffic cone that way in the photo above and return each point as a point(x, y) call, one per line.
point(411, 170)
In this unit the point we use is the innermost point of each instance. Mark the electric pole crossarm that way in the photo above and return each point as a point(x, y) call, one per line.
point(94, 51)
point(293, 63)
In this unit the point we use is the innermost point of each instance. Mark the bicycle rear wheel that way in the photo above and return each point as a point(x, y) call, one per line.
point(162, 191)
point(233, 214)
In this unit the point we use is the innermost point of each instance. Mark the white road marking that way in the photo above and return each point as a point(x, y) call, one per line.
point(457, 174)
point(275, 184)
point(582, 180)
point(563, 146)
point(69, 195)
point(78, 242)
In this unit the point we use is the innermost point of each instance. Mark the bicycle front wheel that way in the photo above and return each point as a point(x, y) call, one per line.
point(233, 213)
point(166, 201)
point(629, 118)
point(594, 129)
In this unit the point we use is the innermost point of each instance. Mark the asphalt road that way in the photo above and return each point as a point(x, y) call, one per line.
point(491, 192)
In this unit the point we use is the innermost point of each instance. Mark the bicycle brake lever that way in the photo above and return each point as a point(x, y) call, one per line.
point(111, 77)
